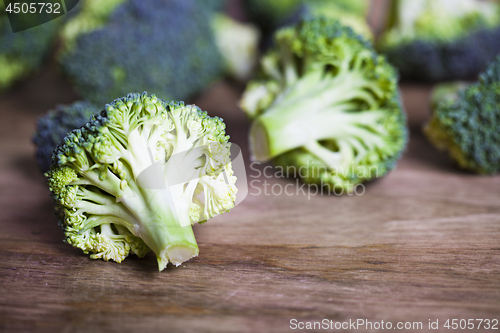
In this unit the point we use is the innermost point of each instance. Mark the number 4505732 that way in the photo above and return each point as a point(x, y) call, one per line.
point(471, 324)
point(34, 8)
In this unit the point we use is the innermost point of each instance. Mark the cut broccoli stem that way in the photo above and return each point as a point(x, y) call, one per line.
point(165, 233)
point(169, 240)
point(157, 221)
point(344, 107)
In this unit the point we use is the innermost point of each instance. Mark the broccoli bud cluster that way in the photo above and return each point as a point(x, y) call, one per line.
point(97, 179)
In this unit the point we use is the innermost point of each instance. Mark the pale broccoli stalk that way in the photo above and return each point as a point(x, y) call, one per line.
point(326, 96)
point(137, 176)
point(238, 45)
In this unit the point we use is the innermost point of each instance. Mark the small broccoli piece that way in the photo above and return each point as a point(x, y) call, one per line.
point(22, 53)
point(326, 101)
point(138, 175)
point(447, 92)
point(167, 46)
point(238, 44)
point(271, 14)
point(442, 39)
point(466, 123)
point(53, 127)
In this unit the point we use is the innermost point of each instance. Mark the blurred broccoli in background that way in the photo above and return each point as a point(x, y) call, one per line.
point(23, 52)
point(171, 47)
point(442, 39)
point(238, 44)
point(271, 14)
point(466, 122)
point(355, 19)
point(52, 128)
point(326, 103)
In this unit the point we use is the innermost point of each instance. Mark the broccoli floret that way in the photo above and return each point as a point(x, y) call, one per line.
point(271, 14)
point(138, 175)
point(327, 102)
point(466, 122)
point(23, 52)
point(442, 39)
point(53, 127)
point(167, 46)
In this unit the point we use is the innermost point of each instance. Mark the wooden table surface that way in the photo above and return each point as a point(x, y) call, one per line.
point(422, 243)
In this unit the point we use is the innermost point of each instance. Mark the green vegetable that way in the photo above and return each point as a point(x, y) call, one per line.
point(173, 47)
point(442, 39)
point(136, 177)
point(466, 122)
point(328, 103)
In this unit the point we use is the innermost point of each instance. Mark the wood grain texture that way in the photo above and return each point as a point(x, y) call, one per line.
point(422, 243)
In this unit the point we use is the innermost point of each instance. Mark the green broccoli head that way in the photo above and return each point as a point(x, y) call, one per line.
point(53, 127)
point(326, 101)
point(163, 46)
point(138, 175)
point(173, 47)
point(442, 39)
point(466, 123)
point(24, 52)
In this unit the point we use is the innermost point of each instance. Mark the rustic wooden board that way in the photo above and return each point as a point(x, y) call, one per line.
point(420, 244)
